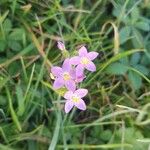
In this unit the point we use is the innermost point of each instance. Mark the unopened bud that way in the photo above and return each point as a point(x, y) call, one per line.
point(61, 45)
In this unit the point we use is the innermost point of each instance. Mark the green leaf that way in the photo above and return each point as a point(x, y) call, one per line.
point(143, 26)
point(117, 69)
point(146, 59)
point(135, 80)
point(117, 11)
point(3, 101)
point(14, 68)
point(7, 25)
point(20, 99)
point(142, 69)
point(124, 34)
point(138, 41)
point(124, 61)
point(106, 135)
point(3, 45)
point(135, 58)
point(17, 34)
point(14, 45)
point(135, 15)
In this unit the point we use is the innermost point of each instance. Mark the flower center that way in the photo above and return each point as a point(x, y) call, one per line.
point(84, 61)
point(66, 76)
point(75, 99)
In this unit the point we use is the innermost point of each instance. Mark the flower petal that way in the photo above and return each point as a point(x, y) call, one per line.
point(68, 106)
point(68, 95)
point(73, 73)
point(61, 45)
point(81, 92)
point(82, 51)
point(66, 65)
point(58, 83)
point(79, 70)
point(90, 66)
point(80, 78)
point(92, 55)
point(75, 60)
point(70, 85)
point(56, 71)
point(80, 105)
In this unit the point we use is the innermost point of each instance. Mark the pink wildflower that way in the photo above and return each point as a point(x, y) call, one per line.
point(74, 99)
point(64, 76)
point(84, 60)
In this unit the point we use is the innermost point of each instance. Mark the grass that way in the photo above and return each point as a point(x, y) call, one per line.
point(32, 113)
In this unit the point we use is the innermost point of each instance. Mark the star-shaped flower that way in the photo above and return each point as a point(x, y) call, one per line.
point(75, 99)
point(84, 60)
point(64, 76)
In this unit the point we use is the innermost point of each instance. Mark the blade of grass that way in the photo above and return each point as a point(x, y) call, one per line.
point(24, 69)
point(94, 124)
point(56, 131)
point(85, 146)
point(3, 135)
point(116, 36)
point(29, 84)
point(113, 59)
point(12, 111)
point(20, 98)
point(2, 18)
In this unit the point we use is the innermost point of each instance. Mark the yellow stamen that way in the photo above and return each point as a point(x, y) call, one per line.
point(66, 76)
point(84, 61)
point(75, 99)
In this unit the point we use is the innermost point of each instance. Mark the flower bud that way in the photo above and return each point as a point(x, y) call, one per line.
point(61, 45)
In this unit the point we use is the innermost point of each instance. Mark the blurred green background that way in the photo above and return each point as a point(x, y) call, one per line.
point(32, 114)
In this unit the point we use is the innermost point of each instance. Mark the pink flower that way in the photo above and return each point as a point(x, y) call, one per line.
point(61, 45)
point(84, 60)
point(74, 99)
point(64, 76)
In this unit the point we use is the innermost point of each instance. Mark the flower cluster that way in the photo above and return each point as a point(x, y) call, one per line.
point(71, 74)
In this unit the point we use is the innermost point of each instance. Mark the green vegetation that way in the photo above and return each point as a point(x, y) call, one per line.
point(32, 114)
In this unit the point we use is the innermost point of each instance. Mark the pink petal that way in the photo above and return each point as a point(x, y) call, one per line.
point(70, 85)
point(79, 70)
point(90, 66)
point(60, 45)
point(92, 55)
point(58, 83)
point(73, 73)
point(80, 78)
point(68, 106)
point(68, 95)
point(81, 92)
point(75, 60)
point(56, 71)
point(80, 105)
point(66, 65)
point(82, 51)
